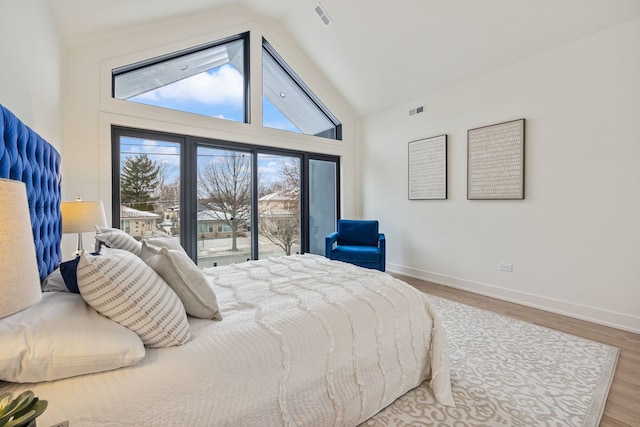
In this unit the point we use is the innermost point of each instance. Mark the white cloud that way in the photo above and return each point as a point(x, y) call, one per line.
point(164, 152)
point(222, 86)
point(159, 147)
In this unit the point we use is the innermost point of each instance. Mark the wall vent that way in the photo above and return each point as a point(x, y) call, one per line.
point(417, 110)
point(322, 14)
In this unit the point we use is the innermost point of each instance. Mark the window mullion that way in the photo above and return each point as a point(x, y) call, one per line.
point(188, 194)
point(254, 205)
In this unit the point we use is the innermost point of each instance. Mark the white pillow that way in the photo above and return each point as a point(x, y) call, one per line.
point(159, 232)
point(167, 241)
point(185, 278)
point(122, 287)
point(63, 278)
point(116, 239)
point(60, 337)
point(54, 282)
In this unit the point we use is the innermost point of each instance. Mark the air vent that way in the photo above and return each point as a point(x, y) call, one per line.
point(326, 21)
point(416, 110)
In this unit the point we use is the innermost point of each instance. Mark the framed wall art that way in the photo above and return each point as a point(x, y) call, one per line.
point(428, 168)
point(495, 162)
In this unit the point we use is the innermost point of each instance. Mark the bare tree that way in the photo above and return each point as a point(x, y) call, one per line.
point(224, 188)
point(279, 219)
point(167, 191)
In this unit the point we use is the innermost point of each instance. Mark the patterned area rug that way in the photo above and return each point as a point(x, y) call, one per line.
point(506, 372)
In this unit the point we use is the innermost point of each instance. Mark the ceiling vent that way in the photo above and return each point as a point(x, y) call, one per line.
point(326, 21)
point(417, 110)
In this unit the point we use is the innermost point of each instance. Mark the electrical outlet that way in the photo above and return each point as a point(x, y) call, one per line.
point(62, 424)
point(505, 266)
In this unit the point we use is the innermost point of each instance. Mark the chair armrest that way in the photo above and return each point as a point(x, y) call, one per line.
point(382, 245)
point(382, 242)
point(329, 241)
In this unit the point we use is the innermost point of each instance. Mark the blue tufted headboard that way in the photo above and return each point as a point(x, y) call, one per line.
point(26, 157)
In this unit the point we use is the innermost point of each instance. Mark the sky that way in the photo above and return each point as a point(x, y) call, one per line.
point(216, 93)
point(168, 153)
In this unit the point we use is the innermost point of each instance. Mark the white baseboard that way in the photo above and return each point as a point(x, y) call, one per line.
point(591, 314)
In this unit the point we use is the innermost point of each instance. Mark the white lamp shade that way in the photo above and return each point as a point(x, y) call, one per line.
point(81, 216)
point(19, 276)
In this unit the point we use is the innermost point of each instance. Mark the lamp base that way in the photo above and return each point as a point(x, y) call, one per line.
point(79, 249)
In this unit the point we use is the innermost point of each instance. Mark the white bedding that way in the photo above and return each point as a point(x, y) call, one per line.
point(304, 341)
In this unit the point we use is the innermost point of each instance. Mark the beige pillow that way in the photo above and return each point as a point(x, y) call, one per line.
point(167, 241)
point(159, 232)
point(116, 239)
point(60, 337)
point(184, 277)
point(122, 287)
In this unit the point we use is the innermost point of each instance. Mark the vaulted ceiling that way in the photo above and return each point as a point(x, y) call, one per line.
point(381, 54)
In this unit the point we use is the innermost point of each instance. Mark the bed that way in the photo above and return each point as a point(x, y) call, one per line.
point(286, 341)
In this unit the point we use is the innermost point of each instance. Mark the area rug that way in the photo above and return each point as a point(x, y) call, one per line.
point(506, 372)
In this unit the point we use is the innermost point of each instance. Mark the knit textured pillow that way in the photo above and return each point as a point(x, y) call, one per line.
point(185, 278)
point(120, 286)
point(116, 239)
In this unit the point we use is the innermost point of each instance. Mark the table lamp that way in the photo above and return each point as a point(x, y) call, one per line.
point(19, 277)
point(81, 217)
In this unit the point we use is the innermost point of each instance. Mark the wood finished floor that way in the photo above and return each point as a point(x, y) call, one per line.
point(623, 403)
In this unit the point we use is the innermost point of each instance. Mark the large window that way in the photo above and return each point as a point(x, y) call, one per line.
point(213, 80)
point(224, 194)
point(287, 102)
point(210, 80)
point(225, 202)
point(149, 183)
point(279, 207)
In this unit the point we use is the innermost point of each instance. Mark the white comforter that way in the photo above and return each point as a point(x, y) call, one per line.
point(304, 342)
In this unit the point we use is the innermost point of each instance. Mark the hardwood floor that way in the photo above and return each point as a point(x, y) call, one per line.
point(623, 403)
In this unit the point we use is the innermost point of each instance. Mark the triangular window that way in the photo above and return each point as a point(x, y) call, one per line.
point(289, 104)
point(209, 80)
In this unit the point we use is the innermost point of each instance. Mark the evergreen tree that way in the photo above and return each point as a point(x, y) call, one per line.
point(138, 181)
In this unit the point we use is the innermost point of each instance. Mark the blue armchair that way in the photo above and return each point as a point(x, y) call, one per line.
point(357, 242)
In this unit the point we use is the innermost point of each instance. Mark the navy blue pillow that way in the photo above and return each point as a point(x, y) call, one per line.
point(68, 270)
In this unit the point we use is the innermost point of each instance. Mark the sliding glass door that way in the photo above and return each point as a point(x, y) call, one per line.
point(224, 202)
point(279, 215)
point(147, 184)
point(224, 207)
point(323, 202)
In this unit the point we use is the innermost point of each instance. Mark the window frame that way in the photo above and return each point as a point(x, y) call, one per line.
point(188, 181)
point(311, 96)
point(245, 37)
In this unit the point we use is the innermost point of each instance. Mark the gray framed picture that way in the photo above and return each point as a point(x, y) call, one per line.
point(495, 161)
point(428, 168)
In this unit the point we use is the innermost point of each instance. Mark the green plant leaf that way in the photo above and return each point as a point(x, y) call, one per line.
point(40, 406)
point(23, 400)
point(24, 408)
point(8, 413)
point(5, 398)
point(23, 420)
point(3, 420)
point(21, 410)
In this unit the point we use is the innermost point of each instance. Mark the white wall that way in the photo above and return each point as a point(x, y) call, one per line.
point(90, 111)
point(574, 242)
point(31, 66)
